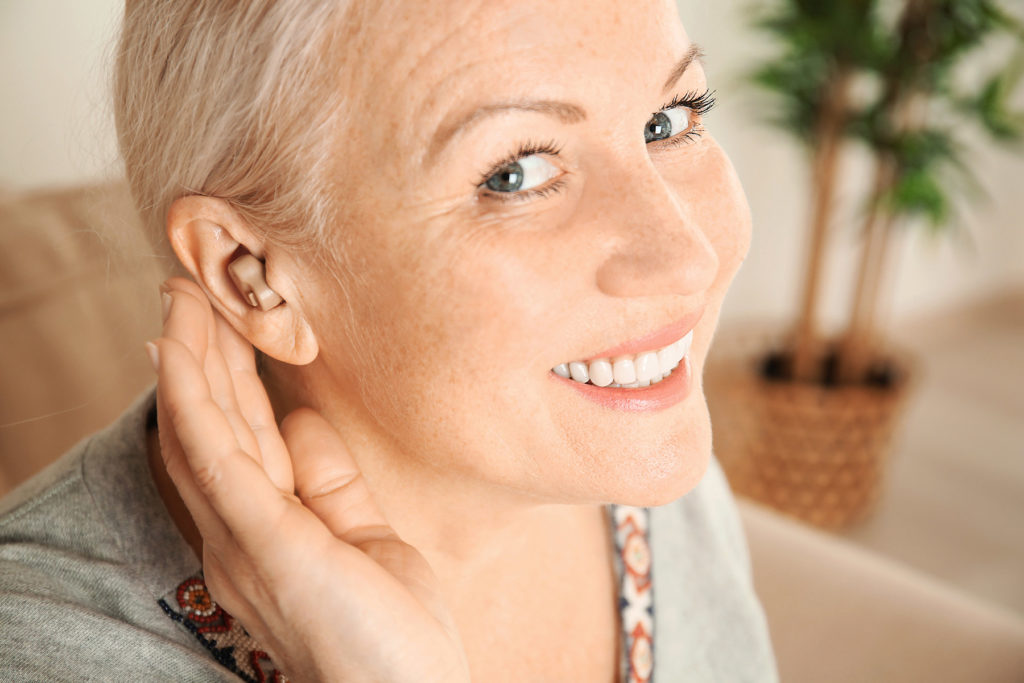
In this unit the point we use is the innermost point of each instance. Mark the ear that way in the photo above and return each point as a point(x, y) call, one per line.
point(206, 235)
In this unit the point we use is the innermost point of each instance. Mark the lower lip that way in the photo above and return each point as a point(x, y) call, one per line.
point(665, 394)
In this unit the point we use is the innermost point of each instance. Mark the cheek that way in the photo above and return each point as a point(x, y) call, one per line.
point(446, 326)
point(730, 214)
point(710, 191)
point(465, 293)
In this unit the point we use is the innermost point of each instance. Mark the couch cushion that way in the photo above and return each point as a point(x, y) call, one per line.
point(78, 298)
point(841, 614)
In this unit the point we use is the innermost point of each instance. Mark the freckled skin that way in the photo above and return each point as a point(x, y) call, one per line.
point(463, 305)
point(438, 374)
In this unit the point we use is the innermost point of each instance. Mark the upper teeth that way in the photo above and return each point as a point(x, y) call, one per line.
point(637, 370)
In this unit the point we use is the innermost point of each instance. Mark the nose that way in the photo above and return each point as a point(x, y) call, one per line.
point(656, 247)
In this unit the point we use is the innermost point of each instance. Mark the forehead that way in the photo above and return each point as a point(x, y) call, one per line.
point(433, 57)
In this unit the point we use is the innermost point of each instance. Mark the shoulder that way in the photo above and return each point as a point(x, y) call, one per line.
point(77, 511)
point(49, 523)
point(84, 558)
point(47, 639)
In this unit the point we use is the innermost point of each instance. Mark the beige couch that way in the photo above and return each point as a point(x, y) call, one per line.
point(78, 297)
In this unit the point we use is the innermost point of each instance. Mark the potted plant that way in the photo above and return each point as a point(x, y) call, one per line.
point(805, 425)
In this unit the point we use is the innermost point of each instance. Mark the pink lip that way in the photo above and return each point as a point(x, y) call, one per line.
point(665, 394)
point(655, 340)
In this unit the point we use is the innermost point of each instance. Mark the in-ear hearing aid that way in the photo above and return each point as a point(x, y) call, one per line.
point(247, 272)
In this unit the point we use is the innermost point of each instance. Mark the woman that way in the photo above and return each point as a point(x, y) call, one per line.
point(488, 249)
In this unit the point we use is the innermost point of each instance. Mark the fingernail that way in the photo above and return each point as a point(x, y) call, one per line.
point(154, 355)
point(166, 299)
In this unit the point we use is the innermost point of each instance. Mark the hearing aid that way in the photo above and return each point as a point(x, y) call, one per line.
point(248, 274)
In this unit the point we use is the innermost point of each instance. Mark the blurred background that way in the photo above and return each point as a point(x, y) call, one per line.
point(946, 489)
point(950, 494)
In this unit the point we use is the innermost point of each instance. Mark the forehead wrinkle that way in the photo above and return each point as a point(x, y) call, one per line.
point(412, 68)
point(422, 63)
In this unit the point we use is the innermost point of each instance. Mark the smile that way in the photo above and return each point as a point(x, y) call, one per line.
point(631, 371)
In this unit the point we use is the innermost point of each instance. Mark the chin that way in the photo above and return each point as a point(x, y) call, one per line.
point(666, 490)
point(662, 472)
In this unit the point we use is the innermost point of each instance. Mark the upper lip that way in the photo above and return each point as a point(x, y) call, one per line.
point(654, 340)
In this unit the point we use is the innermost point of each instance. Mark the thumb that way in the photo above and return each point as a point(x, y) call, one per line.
point(328, 481)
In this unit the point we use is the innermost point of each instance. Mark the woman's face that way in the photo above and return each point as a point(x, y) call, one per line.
point(468, 280)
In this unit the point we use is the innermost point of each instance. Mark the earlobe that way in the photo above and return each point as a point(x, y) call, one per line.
point(222, 254)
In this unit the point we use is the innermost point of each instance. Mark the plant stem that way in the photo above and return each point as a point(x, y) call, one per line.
point(825, 167)
point(855, 346)
point(909, 112)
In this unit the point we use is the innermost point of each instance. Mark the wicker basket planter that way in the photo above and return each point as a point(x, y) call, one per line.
point(815, 452)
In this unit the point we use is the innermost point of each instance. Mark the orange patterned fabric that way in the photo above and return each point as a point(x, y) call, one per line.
point(636, 591)
point(192, 606)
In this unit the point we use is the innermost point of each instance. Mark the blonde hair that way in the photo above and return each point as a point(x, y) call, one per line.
point(237, 100)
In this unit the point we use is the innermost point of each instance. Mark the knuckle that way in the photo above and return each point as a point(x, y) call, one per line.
point(173, 413)
point(334, 485)
point(207, 478)
point(382, 544)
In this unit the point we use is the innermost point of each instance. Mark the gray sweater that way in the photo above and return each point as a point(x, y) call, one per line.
point(97, 584)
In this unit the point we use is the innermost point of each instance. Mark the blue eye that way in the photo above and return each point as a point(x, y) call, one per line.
point(522, 174)
point(667, 123)
point(679, 121)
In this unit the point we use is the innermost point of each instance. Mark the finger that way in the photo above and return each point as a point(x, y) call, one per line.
point(328, 481)
point(187, 319)
point(191, 321)
point(211, 527)
point(235, 487)
point(254, 404)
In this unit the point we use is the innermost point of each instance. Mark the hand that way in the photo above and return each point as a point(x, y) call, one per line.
point(293, 544)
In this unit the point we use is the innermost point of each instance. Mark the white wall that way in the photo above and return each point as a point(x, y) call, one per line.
point(55, 129)
point(55, 126)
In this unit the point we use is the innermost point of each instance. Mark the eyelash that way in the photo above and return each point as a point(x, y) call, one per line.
point(698, 103)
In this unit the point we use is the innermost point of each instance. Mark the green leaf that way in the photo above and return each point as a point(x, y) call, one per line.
point(991, 104)
point(918, 193)
point(915, 59)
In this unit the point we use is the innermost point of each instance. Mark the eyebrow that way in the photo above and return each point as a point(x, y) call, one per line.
point(696, 52)
point(563, 111)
